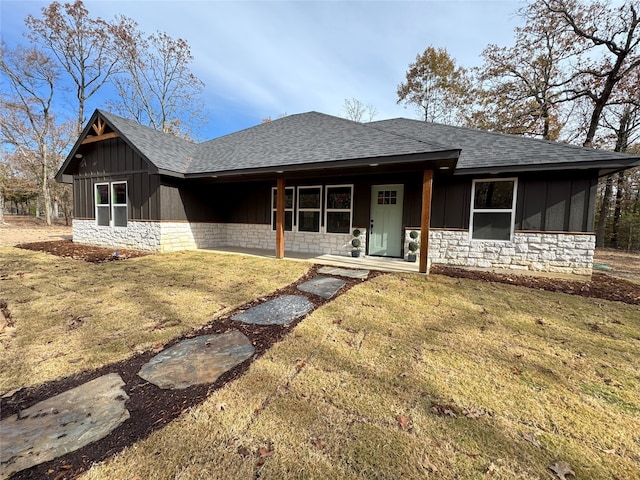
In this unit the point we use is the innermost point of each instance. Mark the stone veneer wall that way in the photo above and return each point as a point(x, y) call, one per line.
point(173, 236)
point(544, 252)
point(137, 235)
point(245, 235)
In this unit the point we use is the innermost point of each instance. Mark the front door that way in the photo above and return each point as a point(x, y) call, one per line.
point(385, 226)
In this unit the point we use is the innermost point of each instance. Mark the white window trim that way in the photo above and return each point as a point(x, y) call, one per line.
point(511, 210)
point(114, 205)
point(328, 210)
point(319, 209)
point(292, 209)
point(103, 205)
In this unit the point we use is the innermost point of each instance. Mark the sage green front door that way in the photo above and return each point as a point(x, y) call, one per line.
point(385, 225)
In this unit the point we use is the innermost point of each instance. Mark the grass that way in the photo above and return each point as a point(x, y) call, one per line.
point(353, 392)
point(73, 316)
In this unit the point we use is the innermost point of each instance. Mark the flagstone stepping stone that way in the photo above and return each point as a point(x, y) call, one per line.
point(325, 287)
point(279, 311)
point(197, 360)
point(344, 272)
point(62, 424)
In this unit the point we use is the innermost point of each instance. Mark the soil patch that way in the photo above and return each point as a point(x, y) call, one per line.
point(601, 285)
point(88, 253)
point(20, 229)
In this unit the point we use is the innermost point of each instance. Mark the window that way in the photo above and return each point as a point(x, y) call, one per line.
point(111, 204)
point(493, 206)
point(119, 204)
point(338, 208)
point(102, 204)
point(288, 208)
point(387, 197)
point(309, 208)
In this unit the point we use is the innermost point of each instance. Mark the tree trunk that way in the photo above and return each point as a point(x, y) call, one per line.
point(604, 212)
point(617, 210)
point(1, 206)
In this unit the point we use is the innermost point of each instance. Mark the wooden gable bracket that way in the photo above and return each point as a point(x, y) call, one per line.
point(99, 128)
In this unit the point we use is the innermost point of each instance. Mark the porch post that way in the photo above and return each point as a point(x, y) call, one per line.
point(280, 219)
point(425, 218)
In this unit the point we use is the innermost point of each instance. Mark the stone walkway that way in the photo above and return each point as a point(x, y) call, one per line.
point(89, 412)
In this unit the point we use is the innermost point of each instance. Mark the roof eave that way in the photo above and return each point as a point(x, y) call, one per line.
point(445, 158)
point(606, 166)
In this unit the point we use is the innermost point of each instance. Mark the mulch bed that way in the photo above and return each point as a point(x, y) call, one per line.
point(88, 253)
point(151, 408)
point(601, 285)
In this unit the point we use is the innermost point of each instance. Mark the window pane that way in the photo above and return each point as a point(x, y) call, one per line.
point(120, 193)
point(339, 198)
point(492, 226)
point(102, 194)
point(338, 222)
point(120, 216)
point(309, 221)
point(493, 195)
point(288, 198)
point(309, 198)
point(103, 216)
point(288, 221)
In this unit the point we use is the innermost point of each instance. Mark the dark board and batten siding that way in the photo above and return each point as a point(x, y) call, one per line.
point(556, 205)
point(559, 204)
point(111, 161)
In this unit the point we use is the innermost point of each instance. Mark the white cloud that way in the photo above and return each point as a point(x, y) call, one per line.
point(263, 58)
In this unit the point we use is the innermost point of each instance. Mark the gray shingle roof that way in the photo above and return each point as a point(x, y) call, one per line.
point(302, 139)
point(166, 152)
point(311, 138)
point(490, 150)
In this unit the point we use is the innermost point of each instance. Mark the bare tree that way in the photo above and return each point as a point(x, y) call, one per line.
point(436, 87)
point(612, 31)
point(26, 118)
point(157, 87)
point(521, 90)
point(357, 111)
point(82, 45)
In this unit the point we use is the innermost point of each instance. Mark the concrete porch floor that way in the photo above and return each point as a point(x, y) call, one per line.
point(363, 262)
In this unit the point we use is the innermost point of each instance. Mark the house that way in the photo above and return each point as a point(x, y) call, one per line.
point(304, 182)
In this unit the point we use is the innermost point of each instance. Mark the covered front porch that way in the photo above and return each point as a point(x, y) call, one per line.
point(365, 262)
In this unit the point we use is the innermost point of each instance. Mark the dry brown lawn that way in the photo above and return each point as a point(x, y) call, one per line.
point(401, 377)
point(72, 316)
point(407, 377)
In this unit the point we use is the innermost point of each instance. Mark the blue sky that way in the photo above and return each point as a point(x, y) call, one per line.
point(268, 58)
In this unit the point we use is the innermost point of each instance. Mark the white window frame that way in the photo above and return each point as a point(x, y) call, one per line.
point(328, 210)
point(119, 205)
point(102, 205)
point(300, 209)
point(511, 210)
point(274, 190)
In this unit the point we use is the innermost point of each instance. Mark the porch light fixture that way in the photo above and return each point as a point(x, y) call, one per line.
point(278, 171)
point(78, 155)
point(445, 167)
point(373, 164)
